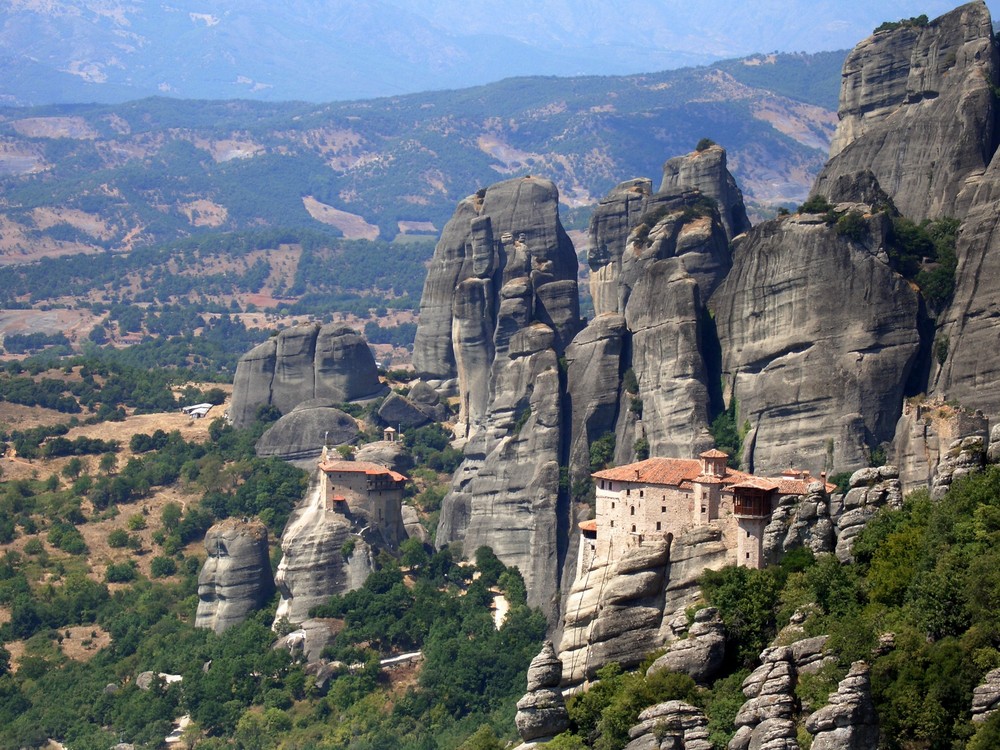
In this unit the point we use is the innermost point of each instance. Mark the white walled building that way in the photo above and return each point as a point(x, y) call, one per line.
point(665, 496)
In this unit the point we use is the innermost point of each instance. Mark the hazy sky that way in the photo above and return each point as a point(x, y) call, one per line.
point(319, 50)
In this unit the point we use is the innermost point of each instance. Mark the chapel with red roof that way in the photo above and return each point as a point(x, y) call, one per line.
point(663, 497)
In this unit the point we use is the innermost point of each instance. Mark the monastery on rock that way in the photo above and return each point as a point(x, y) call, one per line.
point(663, 496)
point(365, 491)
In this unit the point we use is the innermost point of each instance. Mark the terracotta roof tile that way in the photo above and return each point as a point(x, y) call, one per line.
point(667, 471)
point(757, 483)
point(361, 467)
point(590, 525)
point(713, 453)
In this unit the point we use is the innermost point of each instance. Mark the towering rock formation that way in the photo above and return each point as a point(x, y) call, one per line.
point(916, 108)
point(767, 719)
point(235, 580)
point(968, 328)
point(925, 436)
point(673, 725)
point(819, 336)
point(706, 171)
point(500, 306)
point(655, 259)
point(541, 713)
point(620, 610)
point(505, 494)
point(321, 556)
point(503, 261)
point(304, 362)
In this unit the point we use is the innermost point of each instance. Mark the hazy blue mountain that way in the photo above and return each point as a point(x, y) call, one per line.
point(324, 50)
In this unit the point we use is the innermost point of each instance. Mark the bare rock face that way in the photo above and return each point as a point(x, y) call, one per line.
point(993, 451)
point(965, 456)
point(304, 431)
point(655, 259)
point(767, 719)
point(301, 363)
point(235, 580)
point(420, 406)
point(505, 494)
point(615, 216)
point(819, 336)
point(802, 521)
point(310, 638)
point(541, 713)
point(986, 697)
point(614, 612)
point(503, 260)
point(968, 328)
point(707, 172)
point(321, 556)
point(664, 314)
point(393, 455)
point(619, 610)
point(593, 385)
point(917, 111)
point(500, 306)
point(848, 721)
point(674, 725)
point(871, 490)
point(699, 655)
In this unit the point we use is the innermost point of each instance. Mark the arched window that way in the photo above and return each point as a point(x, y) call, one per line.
point(632, 511)
point(633, 528)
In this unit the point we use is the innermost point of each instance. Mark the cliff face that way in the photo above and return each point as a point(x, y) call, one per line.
point(503, 260)
point(916, 108)
point(707, 172)
point(236, 579)
point(500, 306)
point(655, 259)
point(506, 492)
point(305, 362)
point(321, 556)
point(818, 337)
point(968, 329)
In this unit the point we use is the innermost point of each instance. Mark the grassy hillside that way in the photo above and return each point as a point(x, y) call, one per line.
point(114, 177)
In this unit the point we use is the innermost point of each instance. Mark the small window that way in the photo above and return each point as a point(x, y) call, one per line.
point(659, 526)
point(748, 555)
point(640, 493)
point(663, 509)
point(612, 524)
point(628, 492)
point(748, 534)
point(633, 528)
point(704, 509)
point(612, 505)
point(631, 511)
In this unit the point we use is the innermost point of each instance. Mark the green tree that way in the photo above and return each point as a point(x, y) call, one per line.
point(108, 463)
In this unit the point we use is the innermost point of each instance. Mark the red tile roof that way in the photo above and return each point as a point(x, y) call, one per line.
point(713, 453)
point(361, 467)
point(674, 472)
point(681, 472)
point(757, 483)
point(590, 525)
